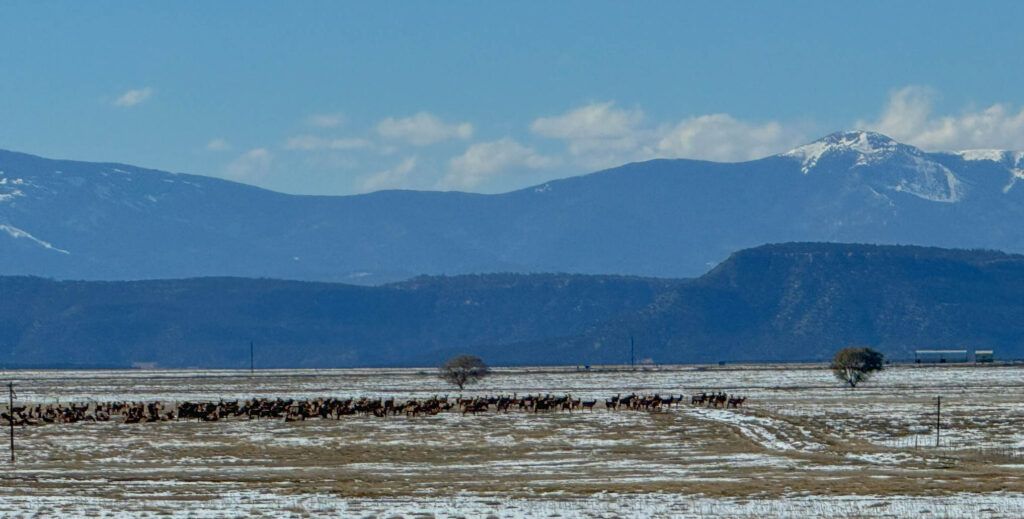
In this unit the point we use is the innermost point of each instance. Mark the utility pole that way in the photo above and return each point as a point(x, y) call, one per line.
point(10, 415)
point(938, 419)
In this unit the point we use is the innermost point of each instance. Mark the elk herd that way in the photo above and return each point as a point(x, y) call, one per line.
point(291, 410)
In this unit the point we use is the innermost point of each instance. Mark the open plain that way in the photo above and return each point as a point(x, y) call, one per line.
point(801, 446)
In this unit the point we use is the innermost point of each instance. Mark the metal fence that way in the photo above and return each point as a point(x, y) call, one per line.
point(948, 446)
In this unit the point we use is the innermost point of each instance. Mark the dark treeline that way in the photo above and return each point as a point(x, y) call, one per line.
point(210, 322)
point(805, 301)
point(790, 302)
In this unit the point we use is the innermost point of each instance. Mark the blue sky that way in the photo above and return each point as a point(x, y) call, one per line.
point(341, 98)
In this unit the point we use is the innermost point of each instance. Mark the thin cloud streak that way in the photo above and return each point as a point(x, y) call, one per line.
point(310, 143)
point(218, 144)
point(423, 129)
point(325, 120)
point(132, 98)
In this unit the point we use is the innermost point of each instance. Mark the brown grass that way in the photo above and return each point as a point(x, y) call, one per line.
point(525, 455)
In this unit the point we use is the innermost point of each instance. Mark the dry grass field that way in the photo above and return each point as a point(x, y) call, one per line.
point(803, 446)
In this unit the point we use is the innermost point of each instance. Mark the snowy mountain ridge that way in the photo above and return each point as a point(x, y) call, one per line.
point(909, 170)
point(105, 181)
point(1013, 161)
point(660, 218)
point(1007, 157)
point(870, 148)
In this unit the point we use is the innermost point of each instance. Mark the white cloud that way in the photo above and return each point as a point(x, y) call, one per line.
point(600, 135)
point(218, 144)
point(484, 160)
point(251, 165)
point(908, 118)
point(325, 120)
point(720, 137)
point(423, 129)
point(593, 127)
point(133, 97)
point(394, 178)
point(310, 142)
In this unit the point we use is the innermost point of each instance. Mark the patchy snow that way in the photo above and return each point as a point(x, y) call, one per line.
point(269, 503)
point(975, 155)
point(585, 465)
point(912, 171)
point(881, 458)
point(7, 197)
point(931, 181)
point(871, 148)
point(10, 192)
point(1012, 160)
point(18, 233)
point(1016, 172)
point(769, 433)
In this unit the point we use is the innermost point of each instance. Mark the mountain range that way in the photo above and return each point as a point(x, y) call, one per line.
point(785, 302)
point(661, 218)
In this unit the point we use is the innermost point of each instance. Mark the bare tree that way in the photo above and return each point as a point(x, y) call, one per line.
point(855, 365)
point(464, 369)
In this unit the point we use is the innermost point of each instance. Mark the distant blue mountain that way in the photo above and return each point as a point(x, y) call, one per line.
point(665, 218)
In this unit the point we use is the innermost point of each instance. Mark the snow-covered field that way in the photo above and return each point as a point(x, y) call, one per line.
point(803, 447)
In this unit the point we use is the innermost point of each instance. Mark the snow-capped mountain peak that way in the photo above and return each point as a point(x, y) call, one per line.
point(902, 168)
point(870, 148)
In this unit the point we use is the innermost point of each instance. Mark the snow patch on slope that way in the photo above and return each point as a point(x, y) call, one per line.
point(18, 233)
point(11, 195)
point(931, 181)
point(976, 155)
point(1012, 160)
point(7, 191)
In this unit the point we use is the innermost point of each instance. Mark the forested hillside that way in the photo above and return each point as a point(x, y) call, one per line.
point(789, 302)
point(804, 301)
point(209, 322)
